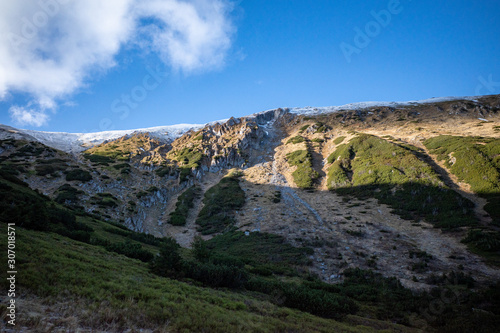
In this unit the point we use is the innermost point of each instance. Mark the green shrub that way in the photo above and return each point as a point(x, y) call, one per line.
point(277, 197)
point(32, 149)
point(127, 248)
point(200, 249)
point(47, 169)
point(184, 203)
point(215, 275)
point(168, 262)
point(137, 236)
point(259, 249)
point(121, 166)
point(165, 170)
point(318, 302)
point(303, 128)
point(11, 169)
point(304, 176)
point(339, 140)
point(368, 166)
point(78, 174)
point(474, 160)
point(296, 139)
point(30, 210)
point(66, 194)
point(220, 202)
point(189, 157)
point(321, 127)
point(482, 240)
point(99, 159)
point(141, 194)
point(104, 200)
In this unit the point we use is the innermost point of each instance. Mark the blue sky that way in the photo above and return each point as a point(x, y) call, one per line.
point(252, 55)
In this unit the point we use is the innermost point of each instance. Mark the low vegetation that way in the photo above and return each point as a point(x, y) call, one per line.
point(51, 167)
point(188, 159)
point(303, 128)
point(68, 195)
point(368, 166)
point(483, 240)
point(473, 160)
point(219, 204)
point(321, 127)
point(267, 285)
point(304, 175)
point(184, 203)
point(339, 140)
point(97, 159)
point(104, 200)
point(122, 149)
point(28, 209)
point(78, 175)
point(166, 170)
point(296, 139)
point(134, 298)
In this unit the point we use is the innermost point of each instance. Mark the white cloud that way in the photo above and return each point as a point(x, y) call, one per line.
point(48, 48)
point(193, 35)
point(27, 116)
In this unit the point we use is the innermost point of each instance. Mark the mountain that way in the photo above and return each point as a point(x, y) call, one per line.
point(78, 142)
point(335, 212)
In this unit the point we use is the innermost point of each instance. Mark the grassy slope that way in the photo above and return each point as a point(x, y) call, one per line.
point(105, 290)
point(369, 166)
point(475, 161)
point(84, 285)
point(108, 291)
point(183, 205)
point(220, 202)
point(304, 175)
point(187, 158)
point(122, 149)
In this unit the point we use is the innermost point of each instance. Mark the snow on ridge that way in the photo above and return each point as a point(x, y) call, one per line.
point(364, 105)
point(164, 132)
point(78, 142)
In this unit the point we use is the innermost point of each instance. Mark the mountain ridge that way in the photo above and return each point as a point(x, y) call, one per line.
point(78, 142)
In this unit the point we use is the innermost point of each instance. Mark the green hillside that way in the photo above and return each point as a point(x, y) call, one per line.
point(105, 277)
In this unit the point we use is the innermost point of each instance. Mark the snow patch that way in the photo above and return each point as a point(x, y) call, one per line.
point(78, 142)
point(365, 105)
